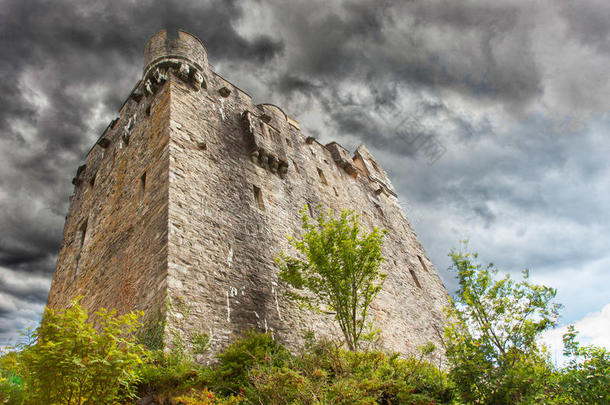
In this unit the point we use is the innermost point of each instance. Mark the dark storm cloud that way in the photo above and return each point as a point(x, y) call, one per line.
point(481, 52)
point(589, 22)
point(67, 55)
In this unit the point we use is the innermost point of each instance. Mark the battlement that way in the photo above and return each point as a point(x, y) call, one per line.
point(186, 47)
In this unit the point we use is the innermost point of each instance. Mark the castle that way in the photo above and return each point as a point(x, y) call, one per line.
point(190, 194)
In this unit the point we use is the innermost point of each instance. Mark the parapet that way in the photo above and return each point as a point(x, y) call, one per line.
point(186, 47)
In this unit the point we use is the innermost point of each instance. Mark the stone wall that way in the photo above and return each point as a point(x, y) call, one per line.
point(225, 179)
point(114, 250)
point(230, 213)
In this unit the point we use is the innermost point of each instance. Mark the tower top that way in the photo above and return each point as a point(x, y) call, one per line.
point(186, 47)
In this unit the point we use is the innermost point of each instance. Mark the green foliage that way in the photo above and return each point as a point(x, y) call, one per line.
point(323, 373)
point(586, 378)
point(200, 342)
point(72, 362)
point(280, 385)
point(491, 335)
point(490, 341)
point(11, 385)
point(173, 369)
point(169, 372)
point(206, 397)
point(230, 376)
point(152, 332)
point(184, 342)
point(337, 269)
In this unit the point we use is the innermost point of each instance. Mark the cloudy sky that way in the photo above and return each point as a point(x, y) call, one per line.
point(492, 118)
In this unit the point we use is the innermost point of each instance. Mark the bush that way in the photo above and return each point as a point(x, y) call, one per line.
point(72, 362)
point(231, 375)
point(169, 373)
point(324, 373)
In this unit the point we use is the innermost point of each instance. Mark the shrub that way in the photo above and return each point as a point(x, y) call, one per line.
point(324, 373)
point(231, 374)
point(280, 385)
point(169, 372)
point(72, 362)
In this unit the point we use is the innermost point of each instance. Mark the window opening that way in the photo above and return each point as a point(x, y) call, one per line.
point(415, 278)
point(258, 198)
point(423, 265)
point(82, 231)
point(142, 184)
point(322, 178)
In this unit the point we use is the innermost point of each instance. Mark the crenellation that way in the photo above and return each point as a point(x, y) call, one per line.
point(196, 188)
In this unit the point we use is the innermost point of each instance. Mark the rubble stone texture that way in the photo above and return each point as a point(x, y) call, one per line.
point(192, 191)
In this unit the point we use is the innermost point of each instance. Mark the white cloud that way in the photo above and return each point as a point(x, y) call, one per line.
point(593, 329)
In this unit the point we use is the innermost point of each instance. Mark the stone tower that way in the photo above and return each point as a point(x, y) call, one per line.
point(190, 194)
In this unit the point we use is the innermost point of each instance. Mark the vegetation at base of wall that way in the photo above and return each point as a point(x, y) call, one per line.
point(151, 333)
point(255, 369)
point(490, 342)
point(71, 359)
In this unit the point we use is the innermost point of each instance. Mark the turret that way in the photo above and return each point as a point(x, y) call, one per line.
point(186, 47)
point(186, 54)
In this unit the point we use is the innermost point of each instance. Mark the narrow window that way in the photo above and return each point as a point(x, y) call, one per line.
point(336, 192)
point(423, 265)
point(92, 179)
point(322, 178)
point(288, 142)
point(142, 184)
point(415, 278)
point(82, 231)
point(258, 197)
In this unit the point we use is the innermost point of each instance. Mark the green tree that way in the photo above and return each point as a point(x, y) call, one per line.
point(336, 270)
point(490, 338)
point(586, 378)
point(72, 362)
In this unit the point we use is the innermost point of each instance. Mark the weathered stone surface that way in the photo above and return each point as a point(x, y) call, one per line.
point(198, 200)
